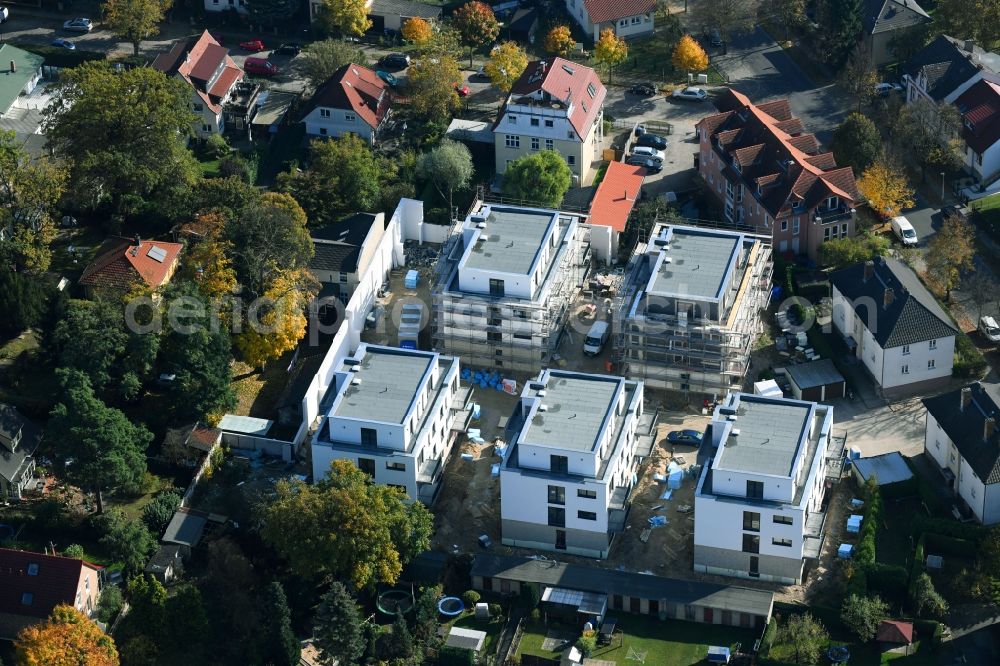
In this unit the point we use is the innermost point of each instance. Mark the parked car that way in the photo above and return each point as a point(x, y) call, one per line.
point(684, 437)
point(395, 61)
point(715, 37)
point(462, 89)
point(649, 163)
point(651, 140)
point(290, 49)
point(988, 327)
point(79, 25)
point(885, 89)
point(4, 14)
point(643, 90)
point(596, 337)
point(64, 43)
point(480, 73)
point(253, 45)
point(904, 230)
point(648, 151)
point(259, 67)
point(387, 77)
point(690, 93)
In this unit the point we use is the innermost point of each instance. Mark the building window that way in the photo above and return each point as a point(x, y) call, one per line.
point(591, 90)
point(781, 542)
point(622, 23)
point(569, 135)
point(571, 160)
point(751, 521)
point(198, 107)
point(496, 288)
point(586, 494)
point(932, 344)
point(349, 117)
point(905, 370)
point(513, 141)
point(784, 225)
point(549, 144)
point(534, 143)
point(534, 122)
point(206, 128)
point(322, 131)
point(557, 495)
point(751, 543)
point(27, 598)
point(795, 225)
point(636, 20)
point(548, 123)
point(369, 438)
point(559, 464)
point(324, 113)
point(494, 336)
point(930, 364)
point(557, 517)
point(782, 520)
point(397, 466)
point(586, 515)
point(512, 120)
point(755, 489)
point(937, 444)
point(33, 570)
point(906, 349)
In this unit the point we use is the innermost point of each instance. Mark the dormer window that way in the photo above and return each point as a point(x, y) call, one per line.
point(797, 205)
point(832, 203)
point(591, 90)
point(969, 125)
point(512, 120)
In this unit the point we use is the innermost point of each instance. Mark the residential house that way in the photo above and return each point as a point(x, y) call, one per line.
point(219, 6)
point(395, 414)
point(19, 438)
point(185, 530)
point(523, 25)
point(167, 563)
point(21, 71)
point(386, 16)
point(213, 76)
point(343, 252)
point(611, 206)
point(631, 18)
point(123, 263)
point(758, 504)
point(980, 109)
point(566, 483)
point(894, 326)
point(555, 105)
point(771, 176)
point(32, 584)
point(691, 308)
point(352, 101)
point(961, 437)
point(506, 281)
point(625, 591)
point(883, 20)
point(947, 67)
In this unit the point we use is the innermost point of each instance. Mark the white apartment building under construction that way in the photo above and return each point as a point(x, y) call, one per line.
point(506, 280)
point(691, 306)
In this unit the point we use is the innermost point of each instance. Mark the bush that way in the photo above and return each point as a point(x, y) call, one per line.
point(768, 638)
point(496, 610)
point(158, 512)
point(889, 579)
point(536, 615)
point(109, 604)
point(940, 544)
point(471, 598)
point(927, 601)
point(529, 595)
point(453, 656)
point(75, 551)
point(216, 146)
point(857, 584)
point(947, 527)
point(862, 615)
point(969, 361)
point(587, 643)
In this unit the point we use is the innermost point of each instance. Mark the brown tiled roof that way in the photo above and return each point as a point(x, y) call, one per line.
point(711, 123)
point(121, 263)
point(197, 64)
point(778, 109)
point(980, 109)
point(356, 88)
point(53, 582)
point(895, 631)
point(603, 11)
point(823, 161)
point(749, 155)
point(807, 143)
point(791, 126)
point(566, 82)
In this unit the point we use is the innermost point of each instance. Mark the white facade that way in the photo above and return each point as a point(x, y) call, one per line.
point(758, 504)
point(578, 507)
point(624, 26)
point(238, 6)
point(329, 122)
point(405, 447)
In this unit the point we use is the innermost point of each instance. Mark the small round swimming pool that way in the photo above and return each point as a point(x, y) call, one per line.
point(451, 606)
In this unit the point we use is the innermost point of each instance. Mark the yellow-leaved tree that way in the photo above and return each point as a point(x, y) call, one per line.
point(560, 40)
point(417, 31)
point(886, 188)
point(950, 252)
point(348, 17)
point(276, 322)
point(67, 637)
point(505, 65)
point(689, 56)
point(610, 50)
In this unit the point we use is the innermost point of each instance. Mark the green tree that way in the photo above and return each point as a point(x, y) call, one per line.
point(345, 526)
point(610, 50)
point(726, 16)
point(840, 23)
point(949, 253)
point(905, 43)
point(346, 17)
point(927, 601)
point(425, 613)
point(320, 60)
point(789, 14)
point(30, 188)
point(476, 24)
point(134, 20)
point(843, 252)
point(978, 20)
point(107, 450)
point(802, 639)
point(337, 626)
point(128, 541)
point(857, 142)
point(858, 77)
point(431, 87)
point(24, 302)
point(75, 551)
point(343, 178)
point(157, 514)
point(862, 615)
point(110, 603)
point(396, 644)
point(448, 166)
point(507, 62)
point(124, 136)
point(187, 622)
point(231, 596)
point(147, 608)
point(280, 646)
point(541, 178)
point(273, 13)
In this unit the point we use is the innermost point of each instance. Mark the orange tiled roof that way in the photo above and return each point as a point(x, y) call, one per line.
point(616, 195)
point(121, 263)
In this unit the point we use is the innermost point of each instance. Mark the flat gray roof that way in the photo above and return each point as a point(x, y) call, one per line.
point(389, 382)
point(577, 407)
point(814, 373)
point(245, 425)
point(770, 433)
point(511, 240)
point(699, 263)
point(887, 468)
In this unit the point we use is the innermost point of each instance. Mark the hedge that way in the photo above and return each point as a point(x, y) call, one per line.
point(858, 583)
point(940, 544)
point(917, 567)
point(969, 361)
point(947, 527)
point(889, 579)
point(768, 638)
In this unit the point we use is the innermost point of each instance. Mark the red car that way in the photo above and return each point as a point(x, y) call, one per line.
point(253, 46)
point(462, 90)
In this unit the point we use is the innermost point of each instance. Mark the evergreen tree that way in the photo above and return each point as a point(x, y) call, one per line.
point(280, 646)
point(337, 626)
point(840, 21)
point(23, 302)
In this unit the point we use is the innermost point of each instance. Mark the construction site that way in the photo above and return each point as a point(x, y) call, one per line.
point(690, 307)
point(506, 280)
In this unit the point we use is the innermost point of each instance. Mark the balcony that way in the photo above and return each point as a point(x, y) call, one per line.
point(824, 216)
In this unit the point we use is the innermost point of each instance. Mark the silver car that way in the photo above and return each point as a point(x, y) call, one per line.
point(79, 25)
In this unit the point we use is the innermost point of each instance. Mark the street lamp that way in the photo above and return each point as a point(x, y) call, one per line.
point(942, 188)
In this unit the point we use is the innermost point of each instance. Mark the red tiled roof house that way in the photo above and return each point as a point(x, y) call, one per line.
point(628, 18)
point(123, 263)
point(352, 101)
point(612, 204)
point(980, 109)
point(769, 174)
point(32, 584)
point(555, 105)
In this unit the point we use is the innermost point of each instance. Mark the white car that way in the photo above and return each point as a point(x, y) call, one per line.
point(696, 94)
point(79, 25)
point(650, 152)
point(904, 230)
point(4, 14)
point(885, 89)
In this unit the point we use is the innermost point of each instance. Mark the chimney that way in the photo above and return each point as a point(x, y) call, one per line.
point(542, 66)
point(869, 270)
point(970, 46)
point(13, 66)
point(989, 427)
point(136, 240)
point(888, 296)
point(966, 398)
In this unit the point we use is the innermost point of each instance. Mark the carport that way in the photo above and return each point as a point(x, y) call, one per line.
point(817, 381)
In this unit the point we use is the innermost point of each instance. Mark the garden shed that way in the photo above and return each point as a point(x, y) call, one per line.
point(817, 381)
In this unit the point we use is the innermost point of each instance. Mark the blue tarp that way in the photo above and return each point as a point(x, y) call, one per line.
point(658, 521)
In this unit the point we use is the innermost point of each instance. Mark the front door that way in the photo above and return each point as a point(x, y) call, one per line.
point(560, 539)
point(754, 566)
point(654, 606)
point(708, 615)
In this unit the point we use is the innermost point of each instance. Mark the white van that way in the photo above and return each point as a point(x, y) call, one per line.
point(988, 327)
point(596, 337)
point(904, 230)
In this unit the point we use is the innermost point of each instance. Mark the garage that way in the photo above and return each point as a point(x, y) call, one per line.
point(817, 381)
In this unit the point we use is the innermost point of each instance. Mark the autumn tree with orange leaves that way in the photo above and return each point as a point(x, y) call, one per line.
point(560, 40)
point(417, 30)
point(689, 56)
point(66, 638)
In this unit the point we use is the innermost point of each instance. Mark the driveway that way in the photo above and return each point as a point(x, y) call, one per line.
point(759, 68)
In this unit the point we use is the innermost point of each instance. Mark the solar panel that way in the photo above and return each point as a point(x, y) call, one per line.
point(157, 254)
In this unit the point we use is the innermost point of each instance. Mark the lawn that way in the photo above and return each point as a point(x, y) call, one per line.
point(666, 643)
point(892, 542)
point(493, 627)
point(257, 392)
